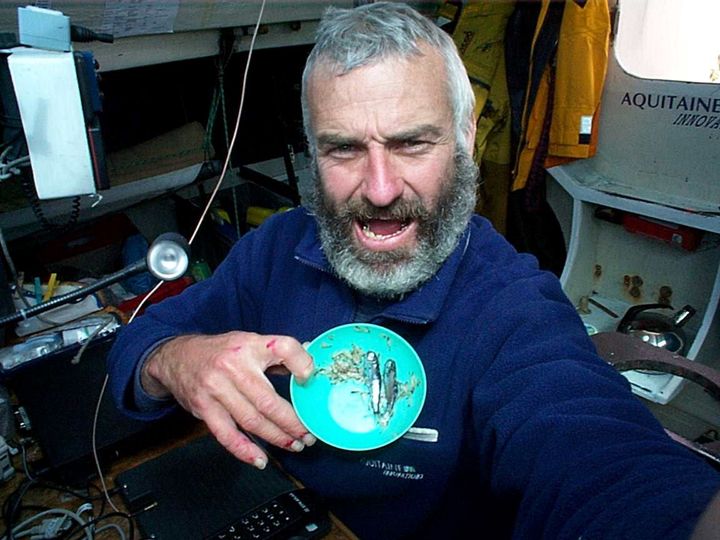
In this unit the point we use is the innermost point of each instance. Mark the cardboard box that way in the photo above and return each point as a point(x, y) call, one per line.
point(169, 152)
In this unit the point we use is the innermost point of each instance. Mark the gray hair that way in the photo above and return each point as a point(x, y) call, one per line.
point(350, 38)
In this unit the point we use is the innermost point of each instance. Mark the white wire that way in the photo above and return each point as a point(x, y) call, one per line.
point(94, 446)
point(190, 241)
point(97, 331)
point(9, 169)
point(99, 401)
point(17, 530)
point(237, 126)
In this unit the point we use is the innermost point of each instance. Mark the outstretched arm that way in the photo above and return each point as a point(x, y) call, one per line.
point(221, 380)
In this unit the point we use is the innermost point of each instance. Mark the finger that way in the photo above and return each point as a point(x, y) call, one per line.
point(222, 393)
point(264, 413)
point(307, 438)
point(224, 429)
point(290, 353)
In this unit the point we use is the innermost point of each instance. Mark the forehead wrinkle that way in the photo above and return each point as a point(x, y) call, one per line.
point(393, 99)
point(335, 138)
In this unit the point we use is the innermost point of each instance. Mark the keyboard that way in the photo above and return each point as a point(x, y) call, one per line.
point(294, 515)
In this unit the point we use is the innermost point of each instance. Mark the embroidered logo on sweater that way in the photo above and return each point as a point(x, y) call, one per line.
point(395, 470)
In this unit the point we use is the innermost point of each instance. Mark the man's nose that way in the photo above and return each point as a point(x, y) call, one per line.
point(383, 182)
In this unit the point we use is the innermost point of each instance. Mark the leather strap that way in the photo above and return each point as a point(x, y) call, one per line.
point(626, 352)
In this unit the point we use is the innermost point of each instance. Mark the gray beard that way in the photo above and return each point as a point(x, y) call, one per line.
point(393, 273)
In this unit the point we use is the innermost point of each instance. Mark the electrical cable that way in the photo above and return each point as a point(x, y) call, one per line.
point(26, 466)
point(119, 530)
point(226, 45)
point(28, 188)
point(96, 457)
point(12, 505)
point(190, 241)
point(219, 101)
point(237, 125)
point(86, 497)
point(93, 335)
point(91, 523)
point(10, 168)
point(18, 532)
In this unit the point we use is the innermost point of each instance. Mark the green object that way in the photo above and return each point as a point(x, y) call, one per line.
point(37, 285)
point(200, 270)
point(355, 400)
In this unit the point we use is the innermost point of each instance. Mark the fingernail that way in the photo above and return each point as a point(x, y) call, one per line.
point(309, 439)
point(297, 446)
point(308, 373)
point(260, 463)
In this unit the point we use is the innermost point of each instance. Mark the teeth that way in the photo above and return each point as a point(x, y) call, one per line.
point(367, 232)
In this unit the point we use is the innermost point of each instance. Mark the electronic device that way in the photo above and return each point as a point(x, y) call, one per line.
point(200, 490)
point(44, 28)
point(58, 102)
point(296, 514)
point(53, 100)
point(58, 397)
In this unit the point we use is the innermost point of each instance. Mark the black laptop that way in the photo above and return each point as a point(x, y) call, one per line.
point(201, 491)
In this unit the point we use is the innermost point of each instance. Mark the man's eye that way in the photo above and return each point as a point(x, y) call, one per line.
point(341, 150)
point(413, 145)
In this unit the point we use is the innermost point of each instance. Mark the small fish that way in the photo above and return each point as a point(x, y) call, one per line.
point(390, 385)
point(373, 378)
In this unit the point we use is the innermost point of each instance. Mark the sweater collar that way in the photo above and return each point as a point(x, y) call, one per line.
point(421, 306)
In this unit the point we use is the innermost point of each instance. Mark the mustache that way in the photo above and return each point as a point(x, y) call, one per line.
point(400, 210)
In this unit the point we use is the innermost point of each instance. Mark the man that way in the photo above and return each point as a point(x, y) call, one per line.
point(537, 436)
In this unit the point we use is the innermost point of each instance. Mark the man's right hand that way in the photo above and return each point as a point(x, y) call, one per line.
point(221, 380)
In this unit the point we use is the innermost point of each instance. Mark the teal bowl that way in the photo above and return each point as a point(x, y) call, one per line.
point(366, 391)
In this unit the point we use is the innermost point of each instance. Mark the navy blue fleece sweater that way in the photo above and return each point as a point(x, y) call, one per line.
point(538, 437)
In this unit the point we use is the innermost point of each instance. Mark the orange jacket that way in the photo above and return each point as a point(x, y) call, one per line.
point(578, 77)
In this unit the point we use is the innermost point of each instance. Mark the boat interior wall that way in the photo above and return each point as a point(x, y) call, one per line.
point(629, 211)
point(657, 142)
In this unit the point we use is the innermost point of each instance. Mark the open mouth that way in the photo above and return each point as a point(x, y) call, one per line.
point(379, 229)
point(385, 234)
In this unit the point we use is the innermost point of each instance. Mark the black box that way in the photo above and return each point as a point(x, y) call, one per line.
point(60, 398)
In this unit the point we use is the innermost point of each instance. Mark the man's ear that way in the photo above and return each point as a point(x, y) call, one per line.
point(470, 135)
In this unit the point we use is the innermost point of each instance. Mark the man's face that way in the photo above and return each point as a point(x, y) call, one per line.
point(386, 172)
